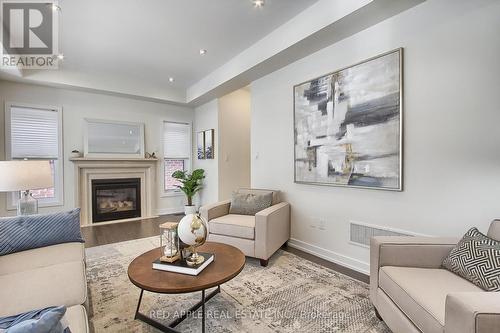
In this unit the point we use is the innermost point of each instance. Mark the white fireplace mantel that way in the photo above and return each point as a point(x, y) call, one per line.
point(87, 169)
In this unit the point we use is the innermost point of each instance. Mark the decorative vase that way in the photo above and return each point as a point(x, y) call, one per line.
point(189, 210)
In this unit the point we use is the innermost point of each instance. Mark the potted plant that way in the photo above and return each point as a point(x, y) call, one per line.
point(191, 184)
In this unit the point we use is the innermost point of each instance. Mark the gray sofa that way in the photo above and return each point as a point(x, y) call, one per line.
point(256, 236)
point(48, 276)
point(413, 293)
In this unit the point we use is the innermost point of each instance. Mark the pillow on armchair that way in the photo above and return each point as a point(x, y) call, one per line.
point(249, 204)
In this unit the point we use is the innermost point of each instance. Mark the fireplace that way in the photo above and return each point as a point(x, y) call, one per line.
point(116, 199)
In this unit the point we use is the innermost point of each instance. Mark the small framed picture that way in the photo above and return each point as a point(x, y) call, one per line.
point(209, 144)
point(200, 145)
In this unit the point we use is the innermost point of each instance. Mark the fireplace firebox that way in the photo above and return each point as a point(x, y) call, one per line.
point(116, 199)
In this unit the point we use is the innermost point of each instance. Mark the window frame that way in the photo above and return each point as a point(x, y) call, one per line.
point(188, 164)
point(58, 199)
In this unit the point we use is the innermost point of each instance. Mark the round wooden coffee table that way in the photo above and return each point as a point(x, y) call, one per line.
point(229, 261)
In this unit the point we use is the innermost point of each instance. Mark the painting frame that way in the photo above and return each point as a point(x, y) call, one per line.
point(200, 145)
point(88, 152)
point(400, 185)
point(209, 136)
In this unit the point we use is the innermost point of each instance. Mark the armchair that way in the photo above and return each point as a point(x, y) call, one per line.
point(256, 236)
point(411, 292)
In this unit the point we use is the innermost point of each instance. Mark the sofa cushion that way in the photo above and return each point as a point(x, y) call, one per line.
point(276, 198)
point(241, 226)
point(249, 204)
point(421, 293)
point(476, 258)
point(55, 276)
point(247, 246)
point(22, 233)
point(77, 319)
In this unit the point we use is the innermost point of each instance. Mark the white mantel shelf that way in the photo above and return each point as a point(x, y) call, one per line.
point(97, 159)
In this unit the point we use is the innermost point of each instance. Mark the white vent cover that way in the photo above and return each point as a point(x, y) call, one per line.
point(360, 233)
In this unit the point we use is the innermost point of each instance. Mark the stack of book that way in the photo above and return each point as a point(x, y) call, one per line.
point(180, 266)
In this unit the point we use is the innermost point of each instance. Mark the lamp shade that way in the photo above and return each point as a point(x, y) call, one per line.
point(25, 175)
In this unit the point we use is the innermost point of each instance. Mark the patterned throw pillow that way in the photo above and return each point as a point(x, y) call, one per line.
point(249, 204)
point(476, 258)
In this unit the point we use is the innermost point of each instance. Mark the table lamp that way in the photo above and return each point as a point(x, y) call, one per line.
point(24, 176)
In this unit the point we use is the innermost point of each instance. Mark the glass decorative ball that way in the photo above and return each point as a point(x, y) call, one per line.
point(193, 230)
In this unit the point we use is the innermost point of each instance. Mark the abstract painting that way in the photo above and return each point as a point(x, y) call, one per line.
point(348, 126)
point(209, 144)
point(200, 145)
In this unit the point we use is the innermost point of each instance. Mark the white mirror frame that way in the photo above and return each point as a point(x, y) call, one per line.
point(86, 153)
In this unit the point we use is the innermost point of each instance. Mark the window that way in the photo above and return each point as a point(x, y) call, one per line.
point(34, 132)
point(176, 153)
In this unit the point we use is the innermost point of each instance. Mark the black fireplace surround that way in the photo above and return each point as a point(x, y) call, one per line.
point(115, 199)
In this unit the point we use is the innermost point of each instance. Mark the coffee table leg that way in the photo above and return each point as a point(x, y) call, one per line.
point(203, 311)
point(170, 328)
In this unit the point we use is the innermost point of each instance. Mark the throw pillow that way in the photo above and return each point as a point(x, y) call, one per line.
point(49, 320)
point(476, 258)
point(22, 233)
point(249, 204)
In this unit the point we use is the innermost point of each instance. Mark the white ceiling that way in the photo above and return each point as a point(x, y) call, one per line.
point(157, 39)
point(132, 47)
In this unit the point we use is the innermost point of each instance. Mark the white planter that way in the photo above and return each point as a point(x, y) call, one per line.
point(189, 210)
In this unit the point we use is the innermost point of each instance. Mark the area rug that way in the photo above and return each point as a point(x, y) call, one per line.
point(292, 294)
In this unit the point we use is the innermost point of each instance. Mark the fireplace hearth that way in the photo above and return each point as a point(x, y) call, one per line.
point(115, 199)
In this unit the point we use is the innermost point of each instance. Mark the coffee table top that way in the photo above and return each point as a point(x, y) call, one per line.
point(229, 261)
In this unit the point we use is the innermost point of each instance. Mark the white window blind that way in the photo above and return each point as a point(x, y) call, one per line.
point(176, 140)
point(34, 133)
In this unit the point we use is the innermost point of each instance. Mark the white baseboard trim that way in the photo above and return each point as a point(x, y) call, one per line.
point(166, 211)
point(340, 259)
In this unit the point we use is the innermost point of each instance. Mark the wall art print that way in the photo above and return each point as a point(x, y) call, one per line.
point(348, 126)
point(200, 145)
point(205, 144)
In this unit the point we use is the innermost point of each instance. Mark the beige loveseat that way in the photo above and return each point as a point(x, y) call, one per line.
point(256, 236)
point(412, 293)
point(48, 276)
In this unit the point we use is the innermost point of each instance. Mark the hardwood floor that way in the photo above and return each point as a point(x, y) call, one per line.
point(120, 232)
point(124, 231)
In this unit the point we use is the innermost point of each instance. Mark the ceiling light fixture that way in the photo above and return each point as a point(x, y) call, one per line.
point(170, 79)
point(203, 51)
point(258, 3)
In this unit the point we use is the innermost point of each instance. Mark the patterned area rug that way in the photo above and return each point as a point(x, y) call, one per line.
point(290, 295)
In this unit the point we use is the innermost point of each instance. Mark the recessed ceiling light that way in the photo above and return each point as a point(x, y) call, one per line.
point(171, 79)
point(258, 3)
point(203, 51)
point(54, 6)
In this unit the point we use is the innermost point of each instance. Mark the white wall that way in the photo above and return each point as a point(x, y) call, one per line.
point(78, 105)
point(206, 117)
point(451, 110)
point(234, 141)
point(230, 169)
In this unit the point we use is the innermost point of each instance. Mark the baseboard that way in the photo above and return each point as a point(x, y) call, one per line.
point(340, 259)
point(167, 211)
